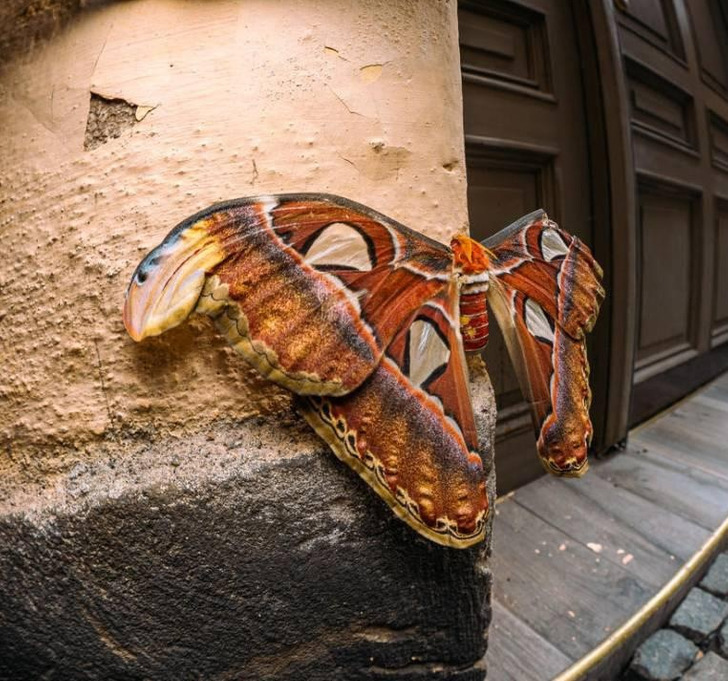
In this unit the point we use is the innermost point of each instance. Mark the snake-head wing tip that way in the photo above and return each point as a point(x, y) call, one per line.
point(167, 284)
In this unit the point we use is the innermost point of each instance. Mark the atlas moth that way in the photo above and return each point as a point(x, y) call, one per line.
point(368, 321)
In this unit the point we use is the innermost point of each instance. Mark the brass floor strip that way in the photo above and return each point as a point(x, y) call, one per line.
point(711, 546)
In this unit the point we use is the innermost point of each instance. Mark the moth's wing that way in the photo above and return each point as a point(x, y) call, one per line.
point(552, 268)
point(409, 431)
point(545, 291)
point(310, 288)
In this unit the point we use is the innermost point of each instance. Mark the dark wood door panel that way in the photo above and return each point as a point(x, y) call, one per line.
point(507, 114)
point(636, 49)
point(716, 102)
point(552, 124)
point(506, 183)
point(720, 186)
point(505, 42)
point(718, 133)
point(655, 21)
point(676, 72)
point(652, 157)
point(668, 246)
point(665, 248)
point(660, 113)
point(497, 196)
point(650, 16)
point(710, 31)
point(660, 110)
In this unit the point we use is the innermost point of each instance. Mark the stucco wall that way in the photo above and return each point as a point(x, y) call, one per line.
point(234, 98)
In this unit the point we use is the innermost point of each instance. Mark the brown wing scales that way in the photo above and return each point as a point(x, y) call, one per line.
point(546, 292)
point(313, 290)
point(314, 331)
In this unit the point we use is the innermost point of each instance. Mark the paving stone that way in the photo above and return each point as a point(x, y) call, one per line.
point(664, 656)
point(723, 640)
point(699, 615)
point(716, 579)
point(710, 668)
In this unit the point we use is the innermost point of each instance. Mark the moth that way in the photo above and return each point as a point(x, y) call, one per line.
point(368, 321)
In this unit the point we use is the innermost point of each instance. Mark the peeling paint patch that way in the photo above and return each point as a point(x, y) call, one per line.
point(108, 118)
point(333, 52)
point(386, 161)
point(370, 72)
point(142, 111)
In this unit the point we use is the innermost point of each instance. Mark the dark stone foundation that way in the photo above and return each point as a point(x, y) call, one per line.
point(249, 556)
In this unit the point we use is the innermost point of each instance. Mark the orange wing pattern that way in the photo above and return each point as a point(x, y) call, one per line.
point(360, 316)
point(310, 289)
point(409, 429)
point(341, 304)
point(545, 292)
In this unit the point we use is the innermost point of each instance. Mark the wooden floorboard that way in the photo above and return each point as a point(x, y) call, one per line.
point(709, 400)
point(517, 652)
point(673, 433)
point(678, 487)
point(709, 461)
point(668, 531)
point(597, 526)
point(718, 389)
point(694, 426)
point(571, 597)
point(644, 512)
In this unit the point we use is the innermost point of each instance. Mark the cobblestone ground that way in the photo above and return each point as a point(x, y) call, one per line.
point(694, 644)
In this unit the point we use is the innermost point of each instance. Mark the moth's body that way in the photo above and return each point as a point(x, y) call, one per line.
point(474, 319)
point(362, 317)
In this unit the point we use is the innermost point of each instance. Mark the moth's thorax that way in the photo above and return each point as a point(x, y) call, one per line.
point(469, 256)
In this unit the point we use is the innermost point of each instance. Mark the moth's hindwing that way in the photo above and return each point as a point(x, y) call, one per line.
point(313, 290)
point(545, 292)
point(409, 431)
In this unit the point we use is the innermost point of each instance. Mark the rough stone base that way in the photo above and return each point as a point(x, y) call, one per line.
point(248, 553)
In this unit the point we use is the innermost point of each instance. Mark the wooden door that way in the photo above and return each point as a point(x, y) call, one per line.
point(526, 147)
point(675, 57)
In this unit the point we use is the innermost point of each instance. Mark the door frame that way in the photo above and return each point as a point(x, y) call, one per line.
point(615, 217)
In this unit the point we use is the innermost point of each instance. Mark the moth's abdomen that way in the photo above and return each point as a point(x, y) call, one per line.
point(474, 321)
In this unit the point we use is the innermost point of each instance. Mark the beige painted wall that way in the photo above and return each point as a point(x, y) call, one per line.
point(355, 97)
